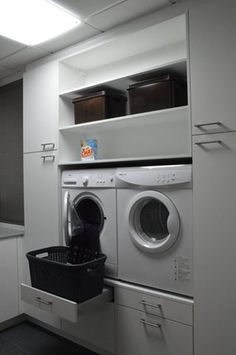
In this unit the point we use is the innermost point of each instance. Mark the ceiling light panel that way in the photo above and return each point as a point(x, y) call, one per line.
point(34, 21)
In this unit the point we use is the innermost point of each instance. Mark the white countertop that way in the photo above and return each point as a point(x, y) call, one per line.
point(10, 230)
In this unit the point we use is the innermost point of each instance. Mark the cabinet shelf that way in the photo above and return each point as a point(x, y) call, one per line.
point(150, 135)
point(129, 53)
point(127, 121)
point(117, 161)
point(126, 59)
point(174, 67)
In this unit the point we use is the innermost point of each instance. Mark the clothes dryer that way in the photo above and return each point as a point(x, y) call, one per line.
point(89, 196)
point(154, 207)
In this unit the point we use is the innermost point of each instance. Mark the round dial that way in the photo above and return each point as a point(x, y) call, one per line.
point(85, 180)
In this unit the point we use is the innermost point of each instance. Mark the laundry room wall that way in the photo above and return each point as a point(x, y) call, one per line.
point(11, 153)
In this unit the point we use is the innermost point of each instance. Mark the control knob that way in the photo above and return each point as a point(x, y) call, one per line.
point(85, 180)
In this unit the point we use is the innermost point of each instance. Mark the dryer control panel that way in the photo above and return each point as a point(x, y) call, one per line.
point(154, 176)
point(99, 178)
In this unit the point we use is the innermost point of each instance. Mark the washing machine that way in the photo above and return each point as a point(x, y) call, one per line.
point(90, 196)
point(154, 211)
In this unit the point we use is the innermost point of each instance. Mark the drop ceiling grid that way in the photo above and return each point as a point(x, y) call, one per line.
point(97, 16)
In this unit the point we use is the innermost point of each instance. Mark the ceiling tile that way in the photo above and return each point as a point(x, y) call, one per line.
point(98, 15)
point(72, 37)
point(85, 8)
point(26, 55)
point(7, 47)
point(124, 12)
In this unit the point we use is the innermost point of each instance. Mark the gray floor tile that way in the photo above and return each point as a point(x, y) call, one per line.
point(28, 339)
point(15, 350)
point(22, 331)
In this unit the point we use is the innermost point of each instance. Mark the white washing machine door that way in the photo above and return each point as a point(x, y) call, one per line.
point(153, 221)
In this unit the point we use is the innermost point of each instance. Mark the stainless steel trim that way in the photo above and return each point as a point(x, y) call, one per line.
point(127, 286)
point(217, 123)
point(209, 142)
point(154, 325)
point(47, 146)
point(145, 303)
point(41, 300)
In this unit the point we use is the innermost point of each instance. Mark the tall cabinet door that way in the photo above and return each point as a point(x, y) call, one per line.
point(9, 302)
point(40, 107)
point(41, 212)
point(214, 199)
point(212, 65)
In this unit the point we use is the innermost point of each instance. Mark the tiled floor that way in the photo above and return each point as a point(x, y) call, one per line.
point(29, 339)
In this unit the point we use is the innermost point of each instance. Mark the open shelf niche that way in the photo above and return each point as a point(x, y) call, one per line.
point(149, 52)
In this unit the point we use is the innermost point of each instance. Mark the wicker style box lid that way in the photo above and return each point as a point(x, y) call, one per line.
point(106, 92)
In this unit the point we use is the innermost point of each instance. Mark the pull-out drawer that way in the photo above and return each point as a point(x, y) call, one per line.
point(153, 335)
point(62, 307)
point(167, 306)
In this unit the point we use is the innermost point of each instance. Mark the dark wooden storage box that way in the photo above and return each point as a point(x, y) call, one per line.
point(99, 105)
point(158, 93)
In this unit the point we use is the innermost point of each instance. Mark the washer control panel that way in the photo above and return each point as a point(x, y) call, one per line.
point(98, 178)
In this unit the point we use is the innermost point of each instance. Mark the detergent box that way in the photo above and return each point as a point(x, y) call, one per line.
point(88, 149)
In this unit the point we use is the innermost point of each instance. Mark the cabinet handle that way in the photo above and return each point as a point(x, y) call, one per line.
point(209, 142)
point(47, 146)
point(45, 157)
point(154, 325)
point(200, 125)
point(145, 303)
point(40, 300)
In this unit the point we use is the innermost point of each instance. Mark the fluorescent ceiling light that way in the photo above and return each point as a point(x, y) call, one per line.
point(34, 21)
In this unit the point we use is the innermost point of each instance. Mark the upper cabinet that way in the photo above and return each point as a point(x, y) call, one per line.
point(41, 108)
point(116, 63)
point(212, 66)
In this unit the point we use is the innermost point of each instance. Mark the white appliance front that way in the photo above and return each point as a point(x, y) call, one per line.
point(89, 196)
point(154, 208)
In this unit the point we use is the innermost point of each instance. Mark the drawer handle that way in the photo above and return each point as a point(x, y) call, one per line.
point(200, 125)
point(47, 146)
point(154, 325)
point(209, 142)
point(145, 303)
point(46, 157)
point(40, 300)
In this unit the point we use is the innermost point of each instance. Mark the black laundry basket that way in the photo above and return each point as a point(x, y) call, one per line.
point(51, 272)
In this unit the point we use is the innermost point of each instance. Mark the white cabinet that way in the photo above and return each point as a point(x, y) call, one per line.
point(212, 65)
point(164, 305)
point(9, 279)
point(214, 196)
point(41, 199)
point(40, 107)
point(139, 334)
point(151, 322)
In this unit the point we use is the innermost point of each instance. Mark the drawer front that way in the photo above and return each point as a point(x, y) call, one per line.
point(153, 335)
point(62, 307)
point(165, 306)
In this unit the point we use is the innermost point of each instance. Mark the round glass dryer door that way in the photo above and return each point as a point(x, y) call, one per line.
point(88, 210)
point(153, 221)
